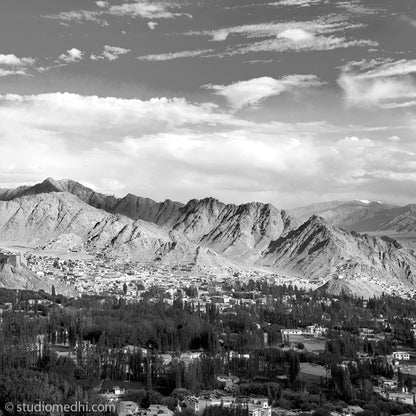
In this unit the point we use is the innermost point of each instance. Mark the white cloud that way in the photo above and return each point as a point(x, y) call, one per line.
point(252, 92)
point(322, 26)
point(6, 72)
point(146, 9)
point(152, 25)
point(175, 55)
point(79, 16)
point(169, 147)
point(298, 3)
point(10, 64)
point(111, 53)
point(296, 35)
point(102, 4)
point(356, 7)
point(12, 60)
point(385, 85)
point(319, 34)
point(298, 44)
point(71, 55)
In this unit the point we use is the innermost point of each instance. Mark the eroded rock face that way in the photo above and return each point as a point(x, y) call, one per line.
point(238, 231)
point(319, 249)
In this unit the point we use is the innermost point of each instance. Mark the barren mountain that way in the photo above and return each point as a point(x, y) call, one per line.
point(146, 209)
point(304, 213)
point(404, 220)
point(60, 220)
point(237, 231)
point(61, 215)
point(132, 206)
point(361, 216)
point(37, 219)
point(317, 249)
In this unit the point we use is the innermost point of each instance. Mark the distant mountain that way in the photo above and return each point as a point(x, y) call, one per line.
point(404, 220)
point(132, 206)
point(361, 216)
point(304, 213)
point(318, 249)
point(238, 231)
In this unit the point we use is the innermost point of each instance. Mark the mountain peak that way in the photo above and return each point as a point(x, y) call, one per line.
point(317, 220)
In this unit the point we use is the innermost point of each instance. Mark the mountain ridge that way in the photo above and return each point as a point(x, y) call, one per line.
point(60, 214)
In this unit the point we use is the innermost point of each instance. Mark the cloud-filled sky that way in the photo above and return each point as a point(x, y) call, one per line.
point(287, 101)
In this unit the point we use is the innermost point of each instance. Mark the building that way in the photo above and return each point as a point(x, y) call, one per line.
point(295, 331)
point(316, 330)
point(256, 406)
point(401, 355)
point(199, 404)
point(259, 407)
point(126, 408)
point(14, 259)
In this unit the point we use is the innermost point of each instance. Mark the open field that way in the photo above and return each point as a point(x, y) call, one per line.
point(311, 343)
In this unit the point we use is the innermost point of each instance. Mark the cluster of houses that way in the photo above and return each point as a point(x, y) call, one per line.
point(255, 406)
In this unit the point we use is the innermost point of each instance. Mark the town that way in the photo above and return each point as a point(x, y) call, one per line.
point(156, 340)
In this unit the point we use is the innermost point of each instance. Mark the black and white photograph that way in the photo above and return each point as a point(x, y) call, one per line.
point(208, 207)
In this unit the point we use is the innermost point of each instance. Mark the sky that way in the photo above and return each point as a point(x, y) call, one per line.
point(284, 101)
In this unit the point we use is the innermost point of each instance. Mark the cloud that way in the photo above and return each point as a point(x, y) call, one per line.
point(298, 3)
point(319, 34)
point(252, 92)
point(12, 60)
point(356, 7)
point(322, 26)
point(296, 35)
point(111, 53)
point(152, 25)
point(175, 55)
point(6, 72)
point(146, 9)
point(71, 55)
point(102, 4)
point(10, 64)
point(79, 16)
point(168, 147)
point(387, 85)
point(412, 22)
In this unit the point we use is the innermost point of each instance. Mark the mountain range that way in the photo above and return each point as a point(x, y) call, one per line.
point(363, 216)
point(320, 241)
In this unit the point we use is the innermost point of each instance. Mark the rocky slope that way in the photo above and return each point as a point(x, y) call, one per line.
point(36, 219)
point(404, 220)
point(22, 278)
point(132, 206)
point(61, 221)
point(317, 249)
point(240, 232)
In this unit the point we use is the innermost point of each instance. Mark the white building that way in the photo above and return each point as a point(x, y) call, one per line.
point(401, 355)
